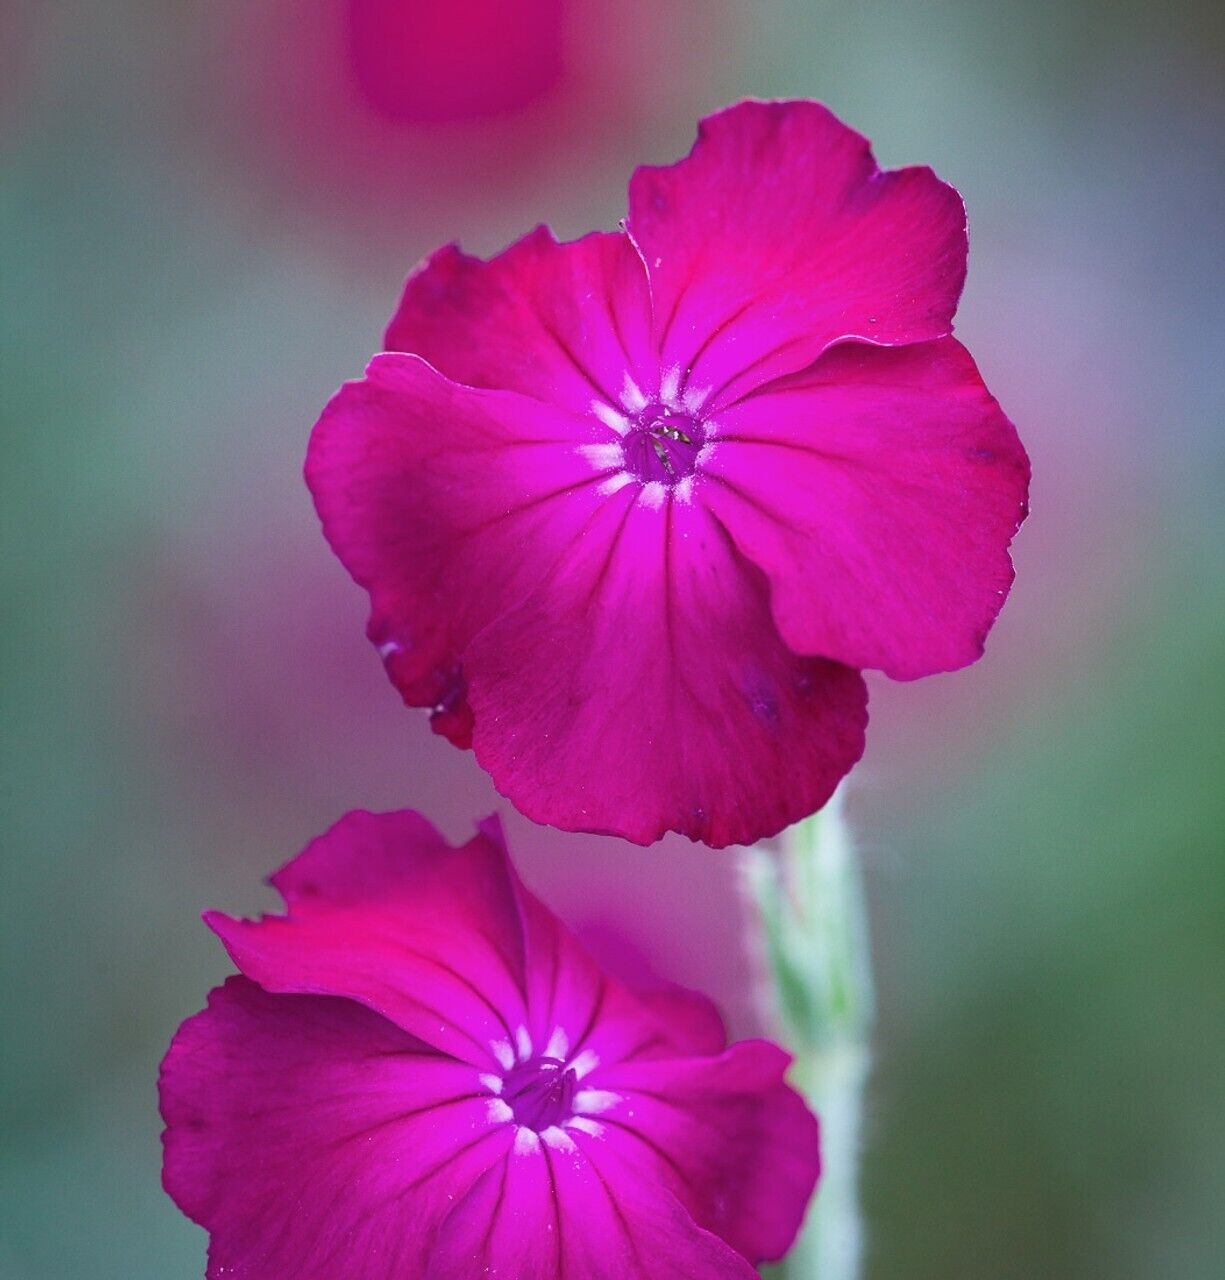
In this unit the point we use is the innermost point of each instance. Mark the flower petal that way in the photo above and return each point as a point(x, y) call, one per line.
point(879, 491)
point(738, 1145)
point(313, 1138)
point(562, 322)
point(447, 505)
point(694, 1024)
point(778, 235)
point(600, 1021)
point(383, 911)
point(643, 688)
point(553, 1213)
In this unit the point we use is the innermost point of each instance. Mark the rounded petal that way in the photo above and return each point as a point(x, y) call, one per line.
point(562, 322)
point(447, 505)
point(693, 1023)
point(643, 687)
point(313, 1138)
point(552, 1212)
point(736, 1143)
point(778, 235)
point(587, 1017)
point(878, 491)
point(383, 911)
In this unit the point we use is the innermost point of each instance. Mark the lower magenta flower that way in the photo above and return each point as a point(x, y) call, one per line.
point(421, 1075)
point(634, 511)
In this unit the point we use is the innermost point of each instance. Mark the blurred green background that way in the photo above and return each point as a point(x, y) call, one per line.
point(206, 214)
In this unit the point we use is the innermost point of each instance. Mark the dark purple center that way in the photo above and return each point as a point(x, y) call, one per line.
point(663, 445)
point(540, 1093)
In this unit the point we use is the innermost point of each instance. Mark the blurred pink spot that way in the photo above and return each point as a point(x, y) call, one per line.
point(416, 60)
point(383, 110)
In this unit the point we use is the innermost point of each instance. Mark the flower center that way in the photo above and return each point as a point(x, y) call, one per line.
point(540, 1093)
point(663, 444)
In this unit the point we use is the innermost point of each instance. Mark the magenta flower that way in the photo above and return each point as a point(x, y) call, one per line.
point(421, 1075)
point(633, 511)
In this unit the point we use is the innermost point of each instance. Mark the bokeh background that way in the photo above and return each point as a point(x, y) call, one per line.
point(206, 214)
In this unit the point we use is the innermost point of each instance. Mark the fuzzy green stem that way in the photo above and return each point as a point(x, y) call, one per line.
point(809, 896)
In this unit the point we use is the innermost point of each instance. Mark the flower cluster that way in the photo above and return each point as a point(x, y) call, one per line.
point(634, 511)
point(420, 1073)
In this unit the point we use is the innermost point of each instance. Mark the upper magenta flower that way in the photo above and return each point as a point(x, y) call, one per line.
point(634, 511)
point(423, 1076)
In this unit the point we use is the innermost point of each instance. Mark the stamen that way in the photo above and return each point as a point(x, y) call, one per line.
point(540, 1093)
point(663, 445)
point(662, 454)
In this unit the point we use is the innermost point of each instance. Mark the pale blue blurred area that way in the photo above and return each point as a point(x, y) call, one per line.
point(187, 695)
